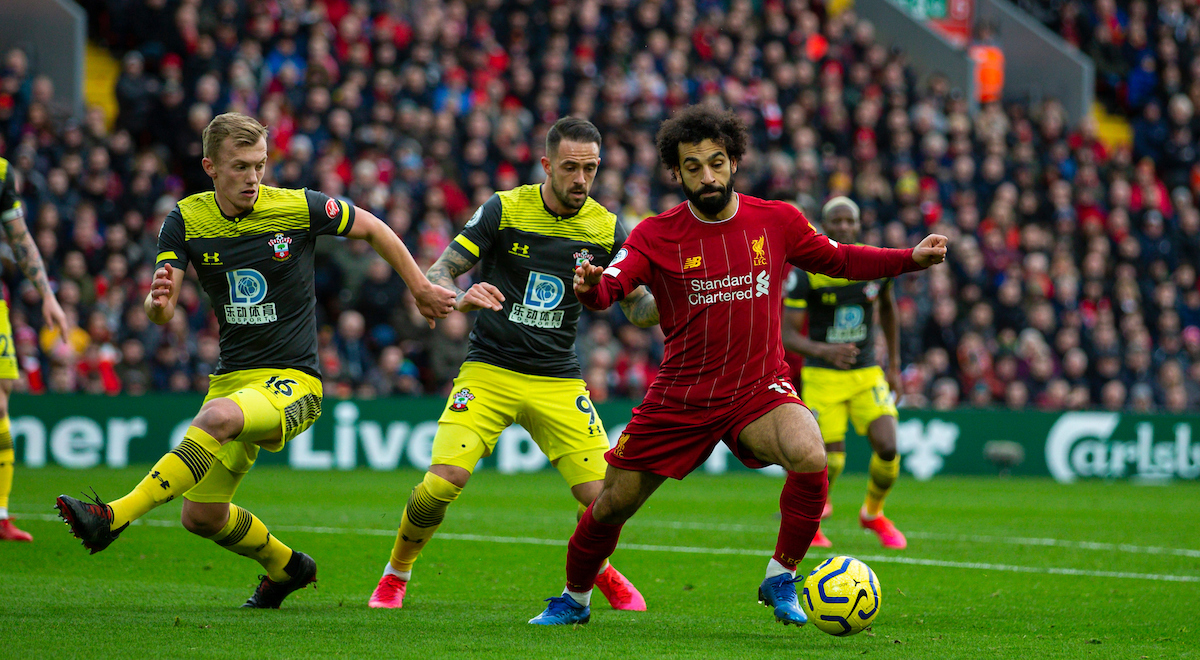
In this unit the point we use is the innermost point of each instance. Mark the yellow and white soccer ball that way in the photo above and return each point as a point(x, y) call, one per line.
point(841, 596)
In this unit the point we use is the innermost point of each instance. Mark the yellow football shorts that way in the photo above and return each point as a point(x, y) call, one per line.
point(836, 396)
point(557, 412)
point(271, 400)
point(8, 352)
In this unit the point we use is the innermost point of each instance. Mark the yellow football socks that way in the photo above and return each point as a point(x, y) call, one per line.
point(837, 463)
point(882, 475)
point(174, 474)
point(424, 513)
point(246, 535)
point(7, 458)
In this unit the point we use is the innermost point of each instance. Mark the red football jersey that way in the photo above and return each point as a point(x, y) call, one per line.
point(719, 287)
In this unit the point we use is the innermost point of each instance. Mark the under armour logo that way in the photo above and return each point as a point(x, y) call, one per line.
point(166, 485)
point(764, 284)
point(212, 257)
point(519, 250)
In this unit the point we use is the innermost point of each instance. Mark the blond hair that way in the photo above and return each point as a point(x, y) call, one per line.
point(837, 203)
point(244, 129)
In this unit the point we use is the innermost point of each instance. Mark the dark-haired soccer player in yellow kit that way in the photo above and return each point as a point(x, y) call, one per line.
point(252, 248)
point(12, 216)
point(841, 380)
point(521, 366)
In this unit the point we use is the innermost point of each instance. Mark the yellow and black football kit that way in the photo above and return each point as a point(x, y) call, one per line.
point(521, 365)
point(257, 270)
point(842, 311)
point(11, 209)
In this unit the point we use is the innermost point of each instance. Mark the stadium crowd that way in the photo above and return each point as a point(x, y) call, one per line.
point(1073, 271)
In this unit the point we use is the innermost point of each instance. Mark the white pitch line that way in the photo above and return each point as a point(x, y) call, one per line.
point(1058, 543)
point(934, 536)
point(879, 559)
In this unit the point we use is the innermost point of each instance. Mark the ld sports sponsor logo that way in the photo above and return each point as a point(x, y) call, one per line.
point(729, 288)
point(247, 290)
point(543, 293)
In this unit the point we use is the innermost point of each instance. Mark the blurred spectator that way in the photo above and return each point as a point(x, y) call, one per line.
point(1072, 281)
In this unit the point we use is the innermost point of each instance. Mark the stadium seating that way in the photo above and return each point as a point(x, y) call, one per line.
point(1072, 281)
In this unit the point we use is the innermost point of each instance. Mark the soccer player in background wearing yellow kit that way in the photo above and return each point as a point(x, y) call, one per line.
point(521, 365)
point(12, 216)
point(841, 379)
point(252, 248)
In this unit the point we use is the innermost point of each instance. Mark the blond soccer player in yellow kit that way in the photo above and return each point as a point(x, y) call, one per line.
point(252, 248)
point(842, 382)
point(12, 216)
point(521, 366)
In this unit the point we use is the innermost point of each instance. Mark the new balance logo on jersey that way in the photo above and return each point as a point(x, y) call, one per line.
point(764, 284)
point(691, 262)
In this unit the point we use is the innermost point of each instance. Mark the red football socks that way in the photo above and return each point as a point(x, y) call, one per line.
point(800, 504)
point(590, 545)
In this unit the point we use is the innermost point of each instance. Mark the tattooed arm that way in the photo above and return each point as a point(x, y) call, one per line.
point(640, 308)
point(30, 261)
point(448, 267)
point(26, 253)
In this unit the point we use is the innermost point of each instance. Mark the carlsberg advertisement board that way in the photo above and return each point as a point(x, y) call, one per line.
point(80, 431)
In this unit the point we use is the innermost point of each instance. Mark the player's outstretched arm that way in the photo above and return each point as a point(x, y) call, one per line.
point(817, 253)
point(593, 290)
point(640, 308)
point(433, 301)
point(930, 251)
point(481, 295)
point(30, 261)
point(164, 293)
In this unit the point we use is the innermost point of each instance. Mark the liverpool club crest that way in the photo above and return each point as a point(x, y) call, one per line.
point(282, 245)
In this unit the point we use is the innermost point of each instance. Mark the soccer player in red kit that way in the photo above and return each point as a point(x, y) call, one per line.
point(716, 265)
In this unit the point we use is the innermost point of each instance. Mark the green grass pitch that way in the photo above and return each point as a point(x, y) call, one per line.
point(995, 568)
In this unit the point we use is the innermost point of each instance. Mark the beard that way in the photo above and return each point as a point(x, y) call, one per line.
point(564, 196)
point(710, 205)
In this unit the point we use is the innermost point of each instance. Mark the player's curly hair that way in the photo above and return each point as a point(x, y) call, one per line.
point(697, 123)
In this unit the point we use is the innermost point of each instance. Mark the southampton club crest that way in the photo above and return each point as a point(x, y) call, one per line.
point(282, 246)
point(461, 398)
point(583, 257)
point(871, 290)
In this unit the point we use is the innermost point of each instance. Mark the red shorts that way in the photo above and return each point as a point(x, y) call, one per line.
point(671, 442)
